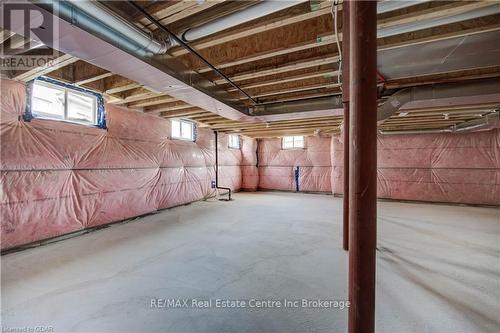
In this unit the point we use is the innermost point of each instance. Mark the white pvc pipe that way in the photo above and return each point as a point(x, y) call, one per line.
point(392, 5)
point(251, 13)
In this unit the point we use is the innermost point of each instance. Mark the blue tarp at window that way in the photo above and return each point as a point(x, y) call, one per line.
point(101, 114)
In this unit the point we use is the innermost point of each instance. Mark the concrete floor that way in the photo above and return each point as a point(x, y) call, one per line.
point(438, 269)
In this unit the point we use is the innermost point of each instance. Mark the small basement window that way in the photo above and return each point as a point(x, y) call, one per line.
point(290, 142)
point(234, 141)
point(61, 102)
point(182, 129)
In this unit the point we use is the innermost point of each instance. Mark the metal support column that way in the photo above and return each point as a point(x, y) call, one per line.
point(362, 165)
point(345, 102)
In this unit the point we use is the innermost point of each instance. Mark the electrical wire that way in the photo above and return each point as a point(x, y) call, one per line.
point(334, 11)
point(189, 48)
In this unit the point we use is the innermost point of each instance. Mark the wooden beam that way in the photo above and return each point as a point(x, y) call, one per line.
point(406, 39)
point(223, 9)
point(152, 101)
point(229, 122)
point(454, 34)
point(425, 122)
point(438, 123)
point(285, 121)
point(277, 126)
point(205, 118)
point(296, 89)
point(152, 7)
point(416, 127)
point(437, 116)
point(288, 127)
point(122, 88)
point(282, 132)
point(50, 66)
point(204, 114)
point(430, 35)
point(166, 12)
point(174, 108)
point(306, 121)
point(17, 41)
point(432, 120)
point(435, 78)
point(136, 95)
point(194, 8)
point(451, 9)
point(324, 9)
point(301, 97)
point(181, 113)
point(319, 41)
point(167, 107)
point(93, 78)
point(282, 69)
point(455, 109)
point(322, 133)
point(298, 77)
point(4, 35)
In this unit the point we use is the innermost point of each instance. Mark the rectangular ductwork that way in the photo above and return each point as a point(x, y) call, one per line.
point(91, 40)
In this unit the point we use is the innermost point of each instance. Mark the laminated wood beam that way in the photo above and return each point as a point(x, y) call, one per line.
point(282, 69)
point(248, 31)
point(176, 105)
point(324, 73)
point(152, 101)
point(182, 113)
point(296, 89)
point(451, 9)
point(56, 63)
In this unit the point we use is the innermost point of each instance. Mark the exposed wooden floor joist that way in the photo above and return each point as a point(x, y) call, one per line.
point(272, 71)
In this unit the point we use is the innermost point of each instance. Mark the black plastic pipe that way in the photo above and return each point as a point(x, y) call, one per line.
point(345, 102)
point(217, 167)
point(189, 48)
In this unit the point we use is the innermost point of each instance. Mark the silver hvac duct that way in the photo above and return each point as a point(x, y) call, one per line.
point(251, 13)
point(428, 131)
point(488, 122)
point(169, 69)
point(95, 18)
point(304, 105)
point(437, 91)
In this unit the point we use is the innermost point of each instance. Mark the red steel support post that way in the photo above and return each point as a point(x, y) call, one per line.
point(345, 102)
point(363, 165)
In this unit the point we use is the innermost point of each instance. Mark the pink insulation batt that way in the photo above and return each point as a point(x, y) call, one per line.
point(249, 170)
point(59, 177)
point(455, 168)
point(277, 166)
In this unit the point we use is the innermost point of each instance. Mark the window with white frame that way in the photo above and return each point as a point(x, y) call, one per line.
point(63, 103)
point(182, 129)
point(234, 141)
point(290, 142)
